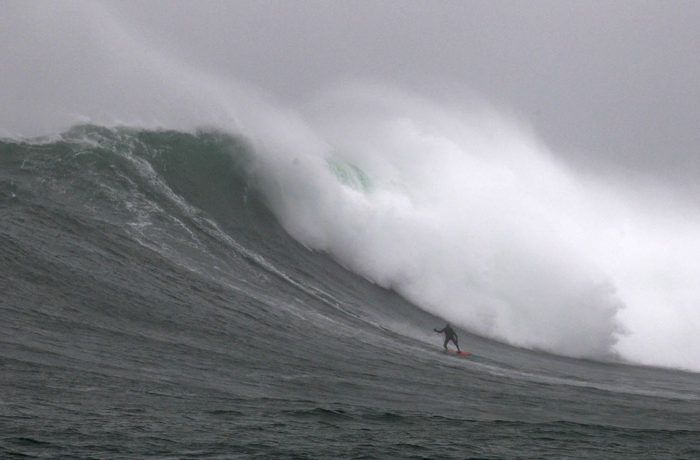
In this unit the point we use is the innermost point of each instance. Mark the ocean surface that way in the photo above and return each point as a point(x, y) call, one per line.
point(152, 305)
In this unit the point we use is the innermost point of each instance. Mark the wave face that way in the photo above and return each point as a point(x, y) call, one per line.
point(152, 305)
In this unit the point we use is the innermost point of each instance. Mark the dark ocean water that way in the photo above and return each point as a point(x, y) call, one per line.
point(152, 307)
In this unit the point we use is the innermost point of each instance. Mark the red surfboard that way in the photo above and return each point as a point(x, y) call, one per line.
point(459, 353)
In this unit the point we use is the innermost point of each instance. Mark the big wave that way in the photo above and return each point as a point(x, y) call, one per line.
point(455, 206)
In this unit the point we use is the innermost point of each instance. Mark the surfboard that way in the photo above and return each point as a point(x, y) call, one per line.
point(459, 353)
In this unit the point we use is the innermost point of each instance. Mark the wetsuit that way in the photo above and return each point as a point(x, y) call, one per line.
point(449, 335)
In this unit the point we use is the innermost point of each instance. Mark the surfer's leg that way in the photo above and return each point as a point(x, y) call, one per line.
point(447, 339)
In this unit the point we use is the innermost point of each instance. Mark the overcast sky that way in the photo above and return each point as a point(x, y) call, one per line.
point(610, 85)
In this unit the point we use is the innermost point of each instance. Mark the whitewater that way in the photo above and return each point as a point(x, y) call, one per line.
point(192, 268)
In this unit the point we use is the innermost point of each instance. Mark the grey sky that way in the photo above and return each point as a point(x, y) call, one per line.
point(610, 85)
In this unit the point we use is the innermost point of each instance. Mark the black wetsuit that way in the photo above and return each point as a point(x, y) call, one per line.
point(449, 335)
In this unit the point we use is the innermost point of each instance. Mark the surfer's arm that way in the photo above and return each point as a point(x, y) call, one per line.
point(439, 332)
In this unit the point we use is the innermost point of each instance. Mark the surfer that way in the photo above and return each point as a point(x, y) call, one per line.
point(449, 335)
